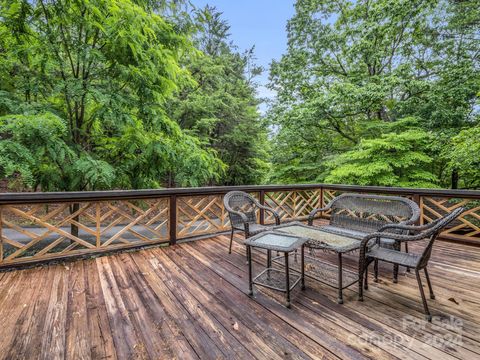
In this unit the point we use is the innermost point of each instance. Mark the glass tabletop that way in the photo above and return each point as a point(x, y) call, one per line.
point(276, 241)
point(320, 237)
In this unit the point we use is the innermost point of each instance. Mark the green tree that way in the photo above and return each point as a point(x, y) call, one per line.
point(353, 67)
point(464, 157)
point(34, 153)
point(107, 68)
point(220, 106)
point(393, 159)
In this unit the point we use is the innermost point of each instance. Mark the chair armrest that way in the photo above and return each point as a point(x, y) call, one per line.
point(426, 231)
point(315, 211)
point(273, 212)
point(404, 226)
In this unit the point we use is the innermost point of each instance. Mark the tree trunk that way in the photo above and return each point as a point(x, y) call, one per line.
point(455, 179)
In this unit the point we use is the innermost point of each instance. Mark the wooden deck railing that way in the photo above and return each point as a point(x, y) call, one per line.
point(42, 226)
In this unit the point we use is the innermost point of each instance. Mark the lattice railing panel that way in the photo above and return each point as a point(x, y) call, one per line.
point(198, 215)
point(54, 230)
point(291, 205)
point(50, 230)
point(329, 195)
point(466, 227)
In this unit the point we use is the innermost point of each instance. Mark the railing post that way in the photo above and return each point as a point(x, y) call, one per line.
point(173, 219)
point(322, 202)
point(262, 202)
point(1, 235)
point(98, 231)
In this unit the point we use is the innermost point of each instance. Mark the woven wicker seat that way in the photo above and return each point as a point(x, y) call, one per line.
point(393, 256)
point(242, 210)
point(370, 251)
point(357, 215)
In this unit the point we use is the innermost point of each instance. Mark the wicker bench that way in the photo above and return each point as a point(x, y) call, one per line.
point(357, 215)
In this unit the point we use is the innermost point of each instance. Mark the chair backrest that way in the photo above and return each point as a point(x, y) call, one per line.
point(239, 201)
point(368, 213)
point(432, 232)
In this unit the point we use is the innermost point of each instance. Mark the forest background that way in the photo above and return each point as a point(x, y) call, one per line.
point(132, 94)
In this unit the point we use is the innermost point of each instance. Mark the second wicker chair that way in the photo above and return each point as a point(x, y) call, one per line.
point(370, 251)
point(243, 210)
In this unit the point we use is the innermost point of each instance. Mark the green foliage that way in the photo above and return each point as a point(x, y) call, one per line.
point(464, 156)
point(394, 159)
point(220, 106)
point(106, 69)
point(36, 154)
point(354, 68)
point(105, 94)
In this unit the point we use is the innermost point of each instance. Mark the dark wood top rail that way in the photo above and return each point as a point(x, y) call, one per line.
point(55, 197)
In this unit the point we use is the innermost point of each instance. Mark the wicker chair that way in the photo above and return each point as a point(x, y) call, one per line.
point(357, 215)
point(370, 250)
point(242, 211)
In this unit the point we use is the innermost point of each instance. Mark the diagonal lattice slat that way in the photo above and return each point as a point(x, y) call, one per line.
point(292, 204)
point(201, 215)
point(42, 231)
point(466, 227)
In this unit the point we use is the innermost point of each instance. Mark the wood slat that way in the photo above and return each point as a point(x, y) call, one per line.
point(190, 301)
point(52, 238)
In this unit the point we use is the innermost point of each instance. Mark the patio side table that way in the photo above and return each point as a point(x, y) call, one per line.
point(270, 277)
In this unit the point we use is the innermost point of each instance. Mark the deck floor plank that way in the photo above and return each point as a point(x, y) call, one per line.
point(378, 317)
point(190, 302)
point(77, 346)
point(193, 337)
point(100, 337)
point(216, 320)
point(270, 329)
point(358, 325)
point(123, 331)
point(386, 305)
point(54, 330)
point(177, 318)
point(32, 317)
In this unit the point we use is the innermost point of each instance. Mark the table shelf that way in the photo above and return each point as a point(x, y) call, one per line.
point(319, 270)
point(275, 279)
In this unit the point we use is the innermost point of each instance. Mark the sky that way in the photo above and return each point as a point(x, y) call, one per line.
point(257, 22)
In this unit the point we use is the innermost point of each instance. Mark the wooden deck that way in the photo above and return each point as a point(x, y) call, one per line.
point(189, 301)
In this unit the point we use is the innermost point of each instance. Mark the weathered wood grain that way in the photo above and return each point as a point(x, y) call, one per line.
point(190, 301)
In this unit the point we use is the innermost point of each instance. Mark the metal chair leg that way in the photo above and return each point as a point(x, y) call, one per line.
point(302, 265)
point(231, 241)
point(287, 281)
point(250, 270)
point(375, 271)
point(340, 279)
point(360, 284)
point(395, 273)
point(365, 285)
point(422, 294)
point(406, 250)
point(246, 237)
point(432, 295)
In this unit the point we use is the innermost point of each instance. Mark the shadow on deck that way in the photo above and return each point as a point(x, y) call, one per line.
point(190, 301)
